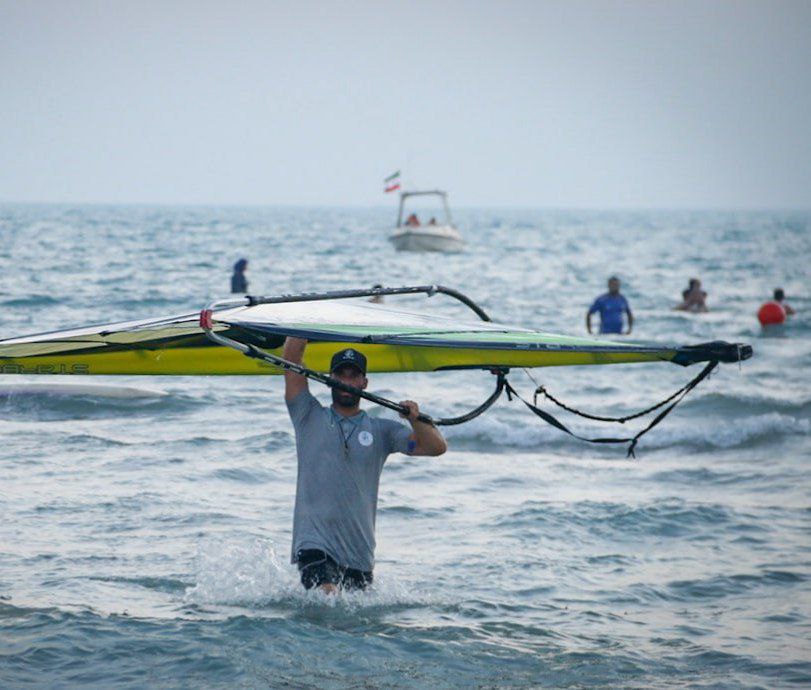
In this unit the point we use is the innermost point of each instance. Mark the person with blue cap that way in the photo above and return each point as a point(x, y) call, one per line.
point(341, 452)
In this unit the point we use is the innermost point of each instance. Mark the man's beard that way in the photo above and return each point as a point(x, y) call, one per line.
point(344, 399)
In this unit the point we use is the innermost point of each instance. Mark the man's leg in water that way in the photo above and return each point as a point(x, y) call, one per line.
point(319, 569)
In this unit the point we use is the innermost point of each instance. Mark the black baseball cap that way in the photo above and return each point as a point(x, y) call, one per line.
point(349, 356)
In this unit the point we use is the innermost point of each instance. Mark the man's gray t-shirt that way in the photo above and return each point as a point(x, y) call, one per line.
point(339, 465)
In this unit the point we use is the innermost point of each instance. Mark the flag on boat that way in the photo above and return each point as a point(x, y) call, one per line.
point(392, 182)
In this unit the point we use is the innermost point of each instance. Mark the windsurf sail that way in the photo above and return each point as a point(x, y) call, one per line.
point(393, 339)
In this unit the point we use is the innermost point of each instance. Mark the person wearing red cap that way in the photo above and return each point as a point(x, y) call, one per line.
point(341, 452)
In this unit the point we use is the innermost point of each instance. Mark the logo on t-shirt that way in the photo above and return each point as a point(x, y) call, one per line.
point(365, 438)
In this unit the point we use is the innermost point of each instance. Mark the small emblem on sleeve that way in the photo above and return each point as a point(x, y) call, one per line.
point(365, 438)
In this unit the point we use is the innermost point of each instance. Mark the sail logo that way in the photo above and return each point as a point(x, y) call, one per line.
point(45, 369)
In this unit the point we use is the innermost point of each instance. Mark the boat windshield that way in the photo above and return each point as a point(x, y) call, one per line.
point(430, 214)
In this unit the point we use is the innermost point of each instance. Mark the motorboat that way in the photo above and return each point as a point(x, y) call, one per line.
point(414, 236)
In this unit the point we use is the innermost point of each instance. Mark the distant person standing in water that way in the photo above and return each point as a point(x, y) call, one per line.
point(611, 306)
point(693, 298)
point(239, 283)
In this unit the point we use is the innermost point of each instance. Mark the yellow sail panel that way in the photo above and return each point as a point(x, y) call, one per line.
point(225, 361)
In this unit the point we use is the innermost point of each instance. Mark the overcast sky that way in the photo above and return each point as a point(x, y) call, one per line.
point(504, 103)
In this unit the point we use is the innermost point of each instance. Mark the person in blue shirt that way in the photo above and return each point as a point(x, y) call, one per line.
point(611, 306)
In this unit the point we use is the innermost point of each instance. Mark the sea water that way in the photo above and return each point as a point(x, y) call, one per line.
point(144, 539)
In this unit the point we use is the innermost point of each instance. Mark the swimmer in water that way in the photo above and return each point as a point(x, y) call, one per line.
point(779, 297)
point(694, 299)
point(774, 313)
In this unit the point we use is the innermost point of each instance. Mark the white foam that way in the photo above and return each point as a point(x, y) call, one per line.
point(247, 571)
point(729, 433)
point(239, 571)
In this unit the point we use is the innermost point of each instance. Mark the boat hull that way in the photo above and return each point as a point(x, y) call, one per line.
point(443, 238)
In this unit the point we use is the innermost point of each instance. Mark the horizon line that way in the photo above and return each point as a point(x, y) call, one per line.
point(322, 205)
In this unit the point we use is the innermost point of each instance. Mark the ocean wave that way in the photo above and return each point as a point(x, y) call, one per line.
point(671, 518)
point(489, 433)
point(28, 301)
point(703, 476)
point(57, 402)
point(414, 512)
point(717, 586)
point(244, 475)
point(168, 585)
point(749, 431)
point(795, 402)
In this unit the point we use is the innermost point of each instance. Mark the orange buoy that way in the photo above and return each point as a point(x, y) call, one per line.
point(771, 314)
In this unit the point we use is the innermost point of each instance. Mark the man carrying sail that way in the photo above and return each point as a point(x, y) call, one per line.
point(341, 452)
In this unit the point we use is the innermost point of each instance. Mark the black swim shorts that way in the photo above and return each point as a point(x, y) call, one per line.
point(319, 568)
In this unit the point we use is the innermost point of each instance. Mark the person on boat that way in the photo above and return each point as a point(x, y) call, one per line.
point(341, 451)
point(774, 313)
point(693, 298)
point(432, 221)
point(611, 306)
point(239, 283)
point(412, 221)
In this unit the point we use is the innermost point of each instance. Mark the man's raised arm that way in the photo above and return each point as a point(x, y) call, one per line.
point(294, 352)
point(427, 439)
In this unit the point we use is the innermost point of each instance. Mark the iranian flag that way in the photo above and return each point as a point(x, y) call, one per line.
point(392, 182)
